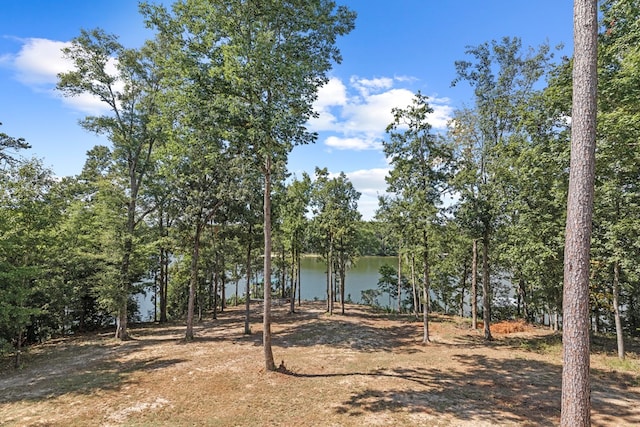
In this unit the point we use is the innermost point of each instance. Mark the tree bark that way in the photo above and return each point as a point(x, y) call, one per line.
point(247, 292)
point(299, 283)
point(474, 286)
point(616, 309)
point(576, 405)
point(463, 286)
point(343, 278)
point(266, 333)
point(413, 286)
point(330, 276)
point(486, 287)
point(163, 285)
point(425, 291)
point(294, 277)
point(399, 281)
point(193, 282)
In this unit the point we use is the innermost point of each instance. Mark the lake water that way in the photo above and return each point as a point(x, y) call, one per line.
point(363, 275)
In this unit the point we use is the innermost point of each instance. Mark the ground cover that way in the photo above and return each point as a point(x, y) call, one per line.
point(363, 368)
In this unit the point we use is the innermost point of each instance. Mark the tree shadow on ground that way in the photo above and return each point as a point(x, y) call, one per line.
point(358, 330)
point(497, 391)
point(81, 369)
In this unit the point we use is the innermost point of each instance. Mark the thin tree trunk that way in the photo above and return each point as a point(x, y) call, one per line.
point(215, 294)
point(121, 322)
point(343, 276)
point(463, 286)
point(425, 292)
point(330, 275)
point(576, 394)
point(616, 309)
point(193, 282)
point(413, 286)
point(223, 287)
point(486, 288)
point(474, 286)
point(247, 292)
point(164, 285)
point(294, 275)
point(18, 359)
point(399, 280)
point(299, 283)
point(266, 334)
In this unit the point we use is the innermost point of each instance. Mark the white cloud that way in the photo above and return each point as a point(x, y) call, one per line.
point(373, 113)
point(371, 184)
point(358, 114)
point(334, 92)
point(356, 144)
point(366, 86)
point(38, 64)
point(39, 61)
point(369, 181)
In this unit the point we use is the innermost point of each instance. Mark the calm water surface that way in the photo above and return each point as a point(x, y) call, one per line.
point(363, 275)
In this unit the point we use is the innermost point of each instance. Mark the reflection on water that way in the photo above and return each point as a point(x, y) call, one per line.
point(363, 275)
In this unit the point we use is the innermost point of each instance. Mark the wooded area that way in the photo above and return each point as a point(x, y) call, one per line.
point(193, 192)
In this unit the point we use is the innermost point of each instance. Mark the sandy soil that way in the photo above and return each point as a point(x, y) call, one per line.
point(363, 368)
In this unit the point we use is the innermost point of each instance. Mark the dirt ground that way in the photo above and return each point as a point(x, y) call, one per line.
point(361, 369)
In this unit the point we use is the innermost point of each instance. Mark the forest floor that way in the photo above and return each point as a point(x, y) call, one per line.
point(364, 368)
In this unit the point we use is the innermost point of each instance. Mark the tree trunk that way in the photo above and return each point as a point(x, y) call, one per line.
point(576, 405)
point(474, 286)
point(266, 333)
point(121, 321)
point(247, 292)
point(18, 359)
point(616, 309)
point(399, 281)
point(463, 286)
point(299, 283)
point(486, 287)
point(294, 276)
point(215, 294)
point(425, 291)
point(223, 289)
point(330, 276)
point(343, 276)
point(413, 286)
point(193, 282)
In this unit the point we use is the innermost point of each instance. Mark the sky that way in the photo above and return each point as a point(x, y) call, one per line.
point(396, 49)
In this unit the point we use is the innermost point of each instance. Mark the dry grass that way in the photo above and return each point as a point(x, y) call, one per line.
point(510, 327)
point(364, 368)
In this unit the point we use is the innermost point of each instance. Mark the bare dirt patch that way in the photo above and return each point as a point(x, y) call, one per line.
point(363, 368)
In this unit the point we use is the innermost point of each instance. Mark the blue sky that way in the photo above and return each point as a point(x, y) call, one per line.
point(397, 48)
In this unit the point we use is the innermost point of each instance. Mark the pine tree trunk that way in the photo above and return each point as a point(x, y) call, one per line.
point(266, 333)
point(18, 359)
point(486, 287)
point(616, 309)
point(474, 286)
point(193, 282)
point(165, 287)
point(413, 286)
point(330, 276)
point(576, 394)
point(247, 292)
point(215, 294)
point(294, 275)
point(399, 281)
point(425, 291)
point(343, 277)
point(299, 283)
point(463, 286)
